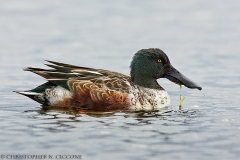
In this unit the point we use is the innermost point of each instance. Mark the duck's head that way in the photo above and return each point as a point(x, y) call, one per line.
point(148, 65)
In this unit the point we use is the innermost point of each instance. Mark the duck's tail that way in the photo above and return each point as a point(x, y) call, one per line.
point(38, 94)
point(38, 97)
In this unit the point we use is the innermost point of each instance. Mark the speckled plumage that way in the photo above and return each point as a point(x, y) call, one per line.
point(96, 89)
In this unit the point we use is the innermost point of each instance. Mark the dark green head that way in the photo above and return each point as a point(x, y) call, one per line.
point(148, 65)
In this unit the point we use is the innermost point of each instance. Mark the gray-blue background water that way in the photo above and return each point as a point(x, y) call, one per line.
point(200, 37)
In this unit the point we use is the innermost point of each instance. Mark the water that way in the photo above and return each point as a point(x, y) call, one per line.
point(201, 39)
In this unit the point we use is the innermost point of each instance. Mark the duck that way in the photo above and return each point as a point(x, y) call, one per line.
point(77, 87)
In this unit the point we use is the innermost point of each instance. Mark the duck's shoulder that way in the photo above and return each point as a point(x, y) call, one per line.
point(104, 80)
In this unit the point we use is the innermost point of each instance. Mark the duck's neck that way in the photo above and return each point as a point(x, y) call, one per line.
point(148, 83)
point(142, 80)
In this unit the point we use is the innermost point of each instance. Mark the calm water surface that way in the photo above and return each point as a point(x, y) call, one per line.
point(201, 39)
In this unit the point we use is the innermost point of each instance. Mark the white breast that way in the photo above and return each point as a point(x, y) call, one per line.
point(148, 99)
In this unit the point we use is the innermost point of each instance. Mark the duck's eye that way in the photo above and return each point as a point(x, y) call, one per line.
point(159, 61)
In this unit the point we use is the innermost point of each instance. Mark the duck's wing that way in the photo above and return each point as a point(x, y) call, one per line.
point(68, 76)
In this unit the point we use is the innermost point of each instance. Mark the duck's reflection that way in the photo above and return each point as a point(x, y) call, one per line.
point(45, 110)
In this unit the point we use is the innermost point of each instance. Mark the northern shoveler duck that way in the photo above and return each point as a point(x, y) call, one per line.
point(101, 90)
